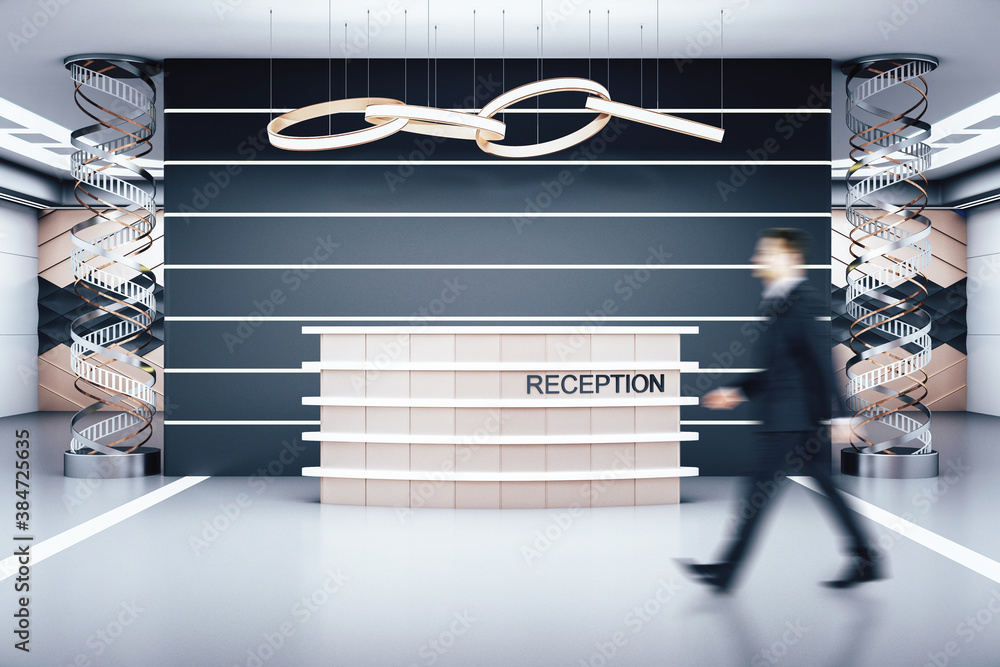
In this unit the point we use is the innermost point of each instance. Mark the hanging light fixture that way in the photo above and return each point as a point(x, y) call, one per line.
point(389, 116)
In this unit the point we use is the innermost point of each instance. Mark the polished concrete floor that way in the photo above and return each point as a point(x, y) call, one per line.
point(252, 572)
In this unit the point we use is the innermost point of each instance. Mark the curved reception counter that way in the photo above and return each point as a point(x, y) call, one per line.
point(500, 417)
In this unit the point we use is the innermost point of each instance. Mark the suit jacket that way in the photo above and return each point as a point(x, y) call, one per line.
point(796, 390)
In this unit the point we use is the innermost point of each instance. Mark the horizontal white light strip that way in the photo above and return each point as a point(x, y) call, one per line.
point(22, 202)
point(501, 366)
point(726, 371)
point(522, 110)
point(542, 402)
point(236, 422)
point(472, 163)
point(311, 367)
point(979, 202)
point(66, 539)
point(515, 214)
point(416, 330)
point(720, 422)
point(417, 320)
point(483, 439)
point(470, 267)
point(223, 371)
point(452, 476)
point(954, 551)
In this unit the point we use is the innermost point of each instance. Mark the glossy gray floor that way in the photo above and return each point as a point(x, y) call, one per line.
point(253, 572)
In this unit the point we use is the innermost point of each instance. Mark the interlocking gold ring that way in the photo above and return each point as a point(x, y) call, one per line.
point(438, 122)
point(379, 130)
point(521, 93)
point(656, 119)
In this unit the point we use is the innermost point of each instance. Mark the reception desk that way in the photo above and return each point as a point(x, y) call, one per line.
point(499, 417)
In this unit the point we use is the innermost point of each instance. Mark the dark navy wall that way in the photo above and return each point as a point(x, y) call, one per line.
point(395, 205)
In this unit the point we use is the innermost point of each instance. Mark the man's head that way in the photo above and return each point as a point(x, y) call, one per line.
point(779, 252)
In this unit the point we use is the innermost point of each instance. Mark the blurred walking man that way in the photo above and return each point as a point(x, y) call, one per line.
point(790, 397)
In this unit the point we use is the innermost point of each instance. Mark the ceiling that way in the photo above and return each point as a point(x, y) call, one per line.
point(961, 33)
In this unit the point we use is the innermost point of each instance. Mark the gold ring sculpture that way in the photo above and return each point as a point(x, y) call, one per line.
point(390, 116)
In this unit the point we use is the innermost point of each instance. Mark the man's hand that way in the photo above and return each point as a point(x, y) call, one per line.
point(723, 398)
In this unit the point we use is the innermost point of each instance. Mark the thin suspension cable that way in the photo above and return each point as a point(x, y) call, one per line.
point(722, 71)
point(541, 38)
point(640, 67)
point(503, 57)
point(658, 55)
point(609, 50)
point(428, 52)
point(435, 65)
point(368, 45)
point(473, 59)
point(406, 85)
point(329, 66)
point(270, 64)
point(538, 76)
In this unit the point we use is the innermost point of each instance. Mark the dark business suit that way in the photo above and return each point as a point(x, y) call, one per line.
point(791, 397)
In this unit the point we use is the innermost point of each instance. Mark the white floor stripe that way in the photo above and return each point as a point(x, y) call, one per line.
point(964, 556)
point(471, 267)
point(41, 550)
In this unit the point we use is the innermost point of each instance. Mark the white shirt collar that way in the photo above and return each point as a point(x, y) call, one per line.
point(780, 289)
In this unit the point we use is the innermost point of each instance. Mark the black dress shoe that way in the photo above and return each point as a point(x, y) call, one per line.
point(865, 566)
point(718, 576)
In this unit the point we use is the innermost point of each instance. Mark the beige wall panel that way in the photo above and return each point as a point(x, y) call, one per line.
point(957, 402)
point(429, 348)
point(387, 456)
point(612, 493)
point(657, 491)
point(387, 493)
point(562, 348)
point(612, 348)
point(49, 401)
point(342, 347)
point(437, 494)
point(567, 494)
point(342, 491)
point(342, 419)
point(477, 495)
point(432, 421)
point(342, 455)
point(477, 347)
point(522, 495)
